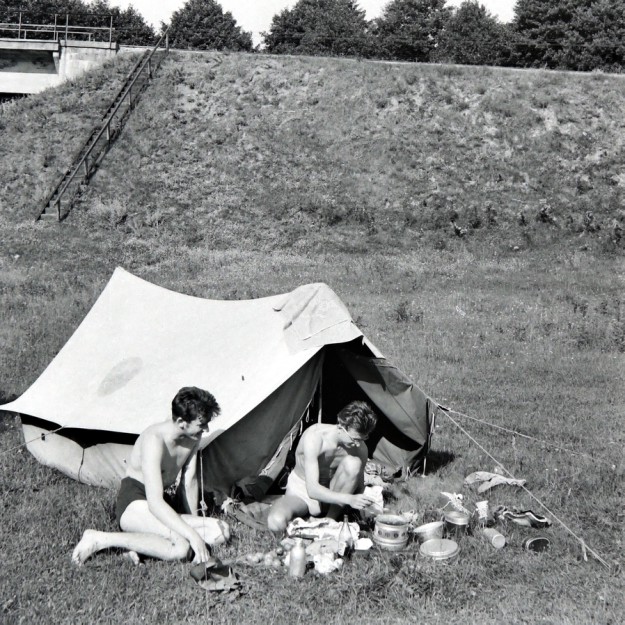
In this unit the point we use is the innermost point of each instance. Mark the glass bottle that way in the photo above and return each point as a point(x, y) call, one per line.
point(346, 538)
point(297, 559)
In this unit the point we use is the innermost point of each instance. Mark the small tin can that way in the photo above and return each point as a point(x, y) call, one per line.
point(456, 524)
point(496, 539)
point(539, 543)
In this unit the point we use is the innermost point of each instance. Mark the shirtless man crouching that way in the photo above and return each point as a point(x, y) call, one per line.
point(150, 526)
point(329, 469)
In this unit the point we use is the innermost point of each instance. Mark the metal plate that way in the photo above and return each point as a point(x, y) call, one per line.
point(439, 548)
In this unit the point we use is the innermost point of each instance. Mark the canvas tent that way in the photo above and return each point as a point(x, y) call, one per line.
point(275, 364)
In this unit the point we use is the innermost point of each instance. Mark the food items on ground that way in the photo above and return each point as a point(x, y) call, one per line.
point(260, 558)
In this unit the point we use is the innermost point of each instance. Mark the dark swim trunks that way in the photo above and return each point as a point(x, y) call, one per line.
point(130, 490)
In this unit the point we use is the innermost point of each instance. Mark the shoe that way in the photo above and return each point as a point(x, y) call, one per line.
point(525, 517)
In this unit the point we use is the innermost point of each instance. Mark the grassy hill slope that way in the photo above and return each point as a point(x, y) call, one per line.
point(284, 152)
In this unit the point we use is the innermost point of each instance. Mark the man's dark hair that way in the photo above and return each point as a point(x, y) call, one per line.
point(191, 403)
point(359, 416)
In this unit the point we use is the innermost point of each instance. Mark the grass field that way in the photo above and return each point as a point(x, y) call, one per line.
point(243, 176)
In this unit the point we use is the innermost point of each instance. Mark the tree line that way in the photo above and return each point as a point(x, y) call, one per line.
point(556, 34)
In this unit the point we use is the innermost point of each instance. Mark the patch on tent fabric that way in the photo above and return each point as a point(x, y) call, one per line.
point(312, 309)
point(120, 375)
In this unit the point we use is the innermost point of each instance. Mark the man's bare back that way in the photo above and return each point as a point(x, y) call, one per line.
point(329, 455)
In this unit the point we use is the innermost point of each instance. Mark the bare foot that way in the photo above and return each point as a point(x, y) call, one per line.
point(133, 556)
point(87, 546)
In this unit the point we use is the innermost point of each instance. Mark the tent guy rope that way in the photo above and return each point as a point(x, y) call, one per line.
point(32, 440)
point(585, 547)
point(521, 435)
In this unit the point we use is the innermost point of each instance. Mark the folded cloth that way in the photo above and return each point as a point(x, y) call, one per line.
point(454, 500)
point(377, 468)
point(375, 480)
point(326, 563)
point(377, 507)
point(319, 529)
point(490, 480)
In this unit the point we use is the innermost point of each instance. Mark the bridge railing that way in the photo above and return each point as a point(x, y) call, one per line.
point(59, 203)
point(58, 26)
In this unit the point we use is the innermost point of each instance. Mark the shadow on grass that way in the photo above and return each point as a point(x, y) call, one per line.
point(436, 460)
point(5, 399)
point(6, 418)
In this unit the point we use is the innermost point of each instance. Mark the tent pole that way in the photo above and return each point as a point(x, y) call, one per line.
point(320, 389)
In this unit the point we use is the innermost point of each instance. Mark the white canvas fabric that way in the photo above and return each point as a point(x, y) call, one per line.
point(140, 343)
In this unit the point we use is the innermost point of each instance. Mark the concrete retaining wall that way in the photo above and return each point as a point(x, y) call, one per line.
point(32, 66)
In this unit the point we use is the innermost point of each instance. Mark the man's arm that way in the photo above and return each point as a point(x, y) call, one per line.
point(363, 454)
point(190, 493)
point(151, 462)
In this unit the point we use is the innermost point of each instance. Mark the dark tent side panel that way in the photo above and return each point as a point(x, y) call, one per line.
point(246, 448)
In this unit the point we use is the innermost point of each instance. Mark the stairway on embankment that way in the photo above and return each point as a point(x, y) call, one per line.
point(58, 203)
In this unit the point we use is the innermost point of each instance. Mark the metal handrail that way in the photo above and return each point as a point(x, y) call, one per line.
point(146, 59)
point(88, 31)
point(58, 28)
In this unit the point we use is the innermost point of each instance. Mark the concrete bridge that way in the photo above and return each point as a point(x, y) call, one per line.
point(53, 53)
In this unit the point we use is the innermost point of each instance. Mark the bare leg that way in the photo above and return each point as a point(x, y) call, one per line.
point(146, 544)
point(345, 480)
point(143, 533)
point(284, 510)
point(213, 531)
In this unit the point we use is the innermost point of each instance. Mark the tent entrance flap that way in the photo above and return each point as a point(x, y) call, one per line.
point(401, 438)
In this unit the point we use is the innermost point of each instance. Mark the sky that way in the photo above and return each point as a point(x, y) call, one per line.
point(255, 15)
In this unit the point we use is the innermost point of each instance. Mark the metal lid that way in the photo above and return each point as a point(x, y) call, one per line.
point(459, 518)
point(439, 548)
point(429, 526)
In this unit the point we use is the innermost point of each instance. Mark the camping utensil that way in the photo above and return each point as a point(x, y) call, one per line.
point(456, 523)
point(539, 543)
point(439, 549)
point(429, 531)
point(390, 532)
point(495, 538)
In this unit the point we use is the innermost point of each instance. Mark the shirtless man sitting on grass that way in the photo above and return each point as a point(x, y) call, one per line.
point(150, 526)
point(329, 469)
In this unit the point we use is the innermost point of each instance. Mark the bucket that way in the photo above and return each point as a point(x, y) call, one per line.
point(390, 532)
point(429, 531)
point(456, 523)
